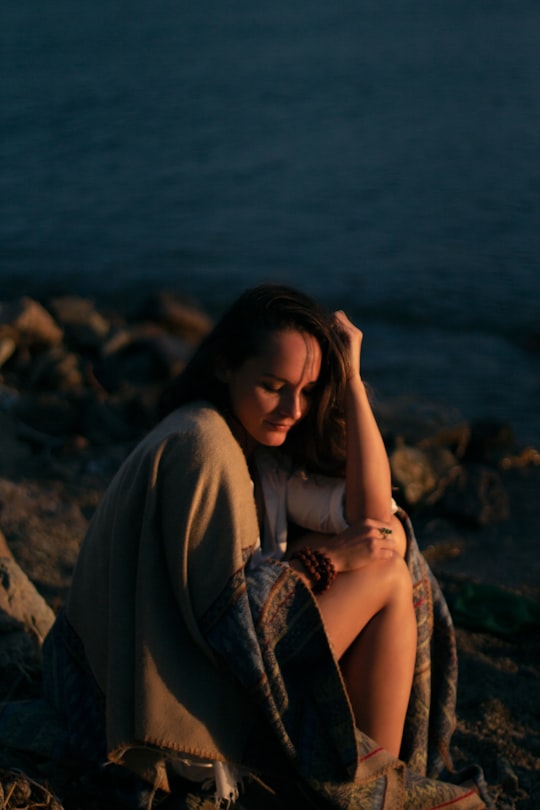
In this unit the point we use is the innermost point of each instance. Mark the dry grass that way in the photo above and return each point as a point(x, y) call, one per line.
point(19, 792)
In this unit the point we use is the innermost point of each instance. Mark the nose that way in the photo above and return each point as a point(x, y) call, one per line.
point(291, 405)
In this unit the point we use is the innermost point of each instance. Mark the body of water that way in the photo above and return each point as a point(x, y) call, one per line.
point(384, 156)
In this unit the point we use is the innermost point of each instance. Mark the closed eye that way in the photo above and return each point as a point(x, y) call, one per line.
point(271, 387)
point(276, 388)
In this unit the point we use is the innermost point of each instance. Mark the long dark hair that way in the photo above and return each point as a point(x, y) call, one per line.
point(317, 442)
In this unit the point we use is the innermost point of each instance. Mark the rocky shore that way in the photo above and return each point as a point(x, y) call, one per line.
point(79, 385)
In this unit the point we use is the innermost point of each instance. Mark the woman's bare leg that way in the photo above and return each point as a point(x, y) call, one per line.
point(369, 617)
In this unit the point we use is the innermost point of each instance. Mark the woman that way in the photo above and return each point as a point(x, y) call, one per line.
point(202, 639)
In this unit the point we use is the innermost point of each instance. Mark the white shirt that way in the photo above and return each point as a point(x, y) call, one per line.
point(315, 502)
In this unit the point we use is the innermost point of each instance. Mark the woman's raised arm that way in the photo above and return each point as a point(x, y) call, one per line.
point(368, 492)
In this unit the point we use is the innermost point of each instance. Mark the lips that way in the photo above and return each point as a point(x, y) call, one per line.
point(279, 426)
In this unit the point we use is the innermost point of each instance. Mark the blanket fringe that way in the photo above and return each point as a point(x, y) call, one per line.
point(228, 782)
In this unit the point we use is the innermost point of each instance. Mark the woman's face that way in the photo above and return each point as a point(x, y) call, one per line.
point(270, 392)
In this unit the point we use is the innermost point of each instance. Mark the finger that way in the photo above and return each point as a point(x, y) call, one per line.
point(362, 559)
point(376, 547)
point(341, 326)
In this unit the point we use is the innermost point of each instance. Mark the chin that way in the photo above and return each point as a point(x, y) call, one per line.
point(273, 439)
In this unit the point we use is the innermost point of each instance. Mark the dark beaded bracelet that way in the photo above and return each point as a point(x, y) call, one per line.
point(319, 567)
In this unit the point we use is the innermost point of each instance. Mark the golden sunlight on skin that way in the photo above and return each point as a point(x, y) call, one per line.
point(270, 393)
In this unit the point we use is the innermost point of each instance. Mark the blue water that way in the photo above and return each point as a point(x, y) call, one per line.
point(385, 156)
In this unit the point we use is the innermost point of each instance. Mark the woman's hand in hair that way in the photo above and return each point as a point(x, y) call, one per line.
point(351, 341)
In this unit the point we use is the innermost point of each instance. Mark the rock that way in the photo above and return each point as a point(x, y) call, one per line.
point(141, 355)
point(490, 440)
point(33, 324)
point(172, 353)
point(8, 397)
point(475, 494)
point(177, 316)
point(103, 422)
point(5, 550)
point(455, 438)
point(117, 341)
point(85, 328)
point(412, 473)
point(418, 471)
point(44, 520)
point(56, 370)
point(25, 620)
point(8, 345)
point(21, 606)
point(15, 453)
point(527, 457)
point(51, 414)
point(409, 420)
point(136, 364)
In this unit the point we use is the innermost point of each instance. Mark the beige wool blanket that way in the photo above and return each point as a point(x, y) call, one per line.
point(174, 526)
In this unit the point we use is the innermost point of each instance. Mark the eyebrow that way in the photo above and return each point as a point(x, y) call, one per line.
point(283, 380)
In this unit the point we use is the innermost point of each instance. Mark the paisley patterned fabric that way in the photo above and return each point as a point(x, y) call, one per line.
point(267, 629)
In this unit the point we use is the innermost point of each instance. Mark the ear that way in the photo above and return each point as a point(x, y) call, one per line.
point(222, 370)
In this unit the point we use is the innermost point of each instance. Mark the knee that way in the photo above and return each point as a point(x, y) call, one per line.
point(395, 578)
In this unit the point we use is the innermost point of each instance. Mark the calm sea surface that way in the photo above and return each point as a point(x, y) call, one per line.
point(384, 156)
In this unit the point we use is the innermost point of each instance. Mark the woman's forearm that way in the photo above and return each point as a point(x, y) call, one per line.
point(368, 489)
